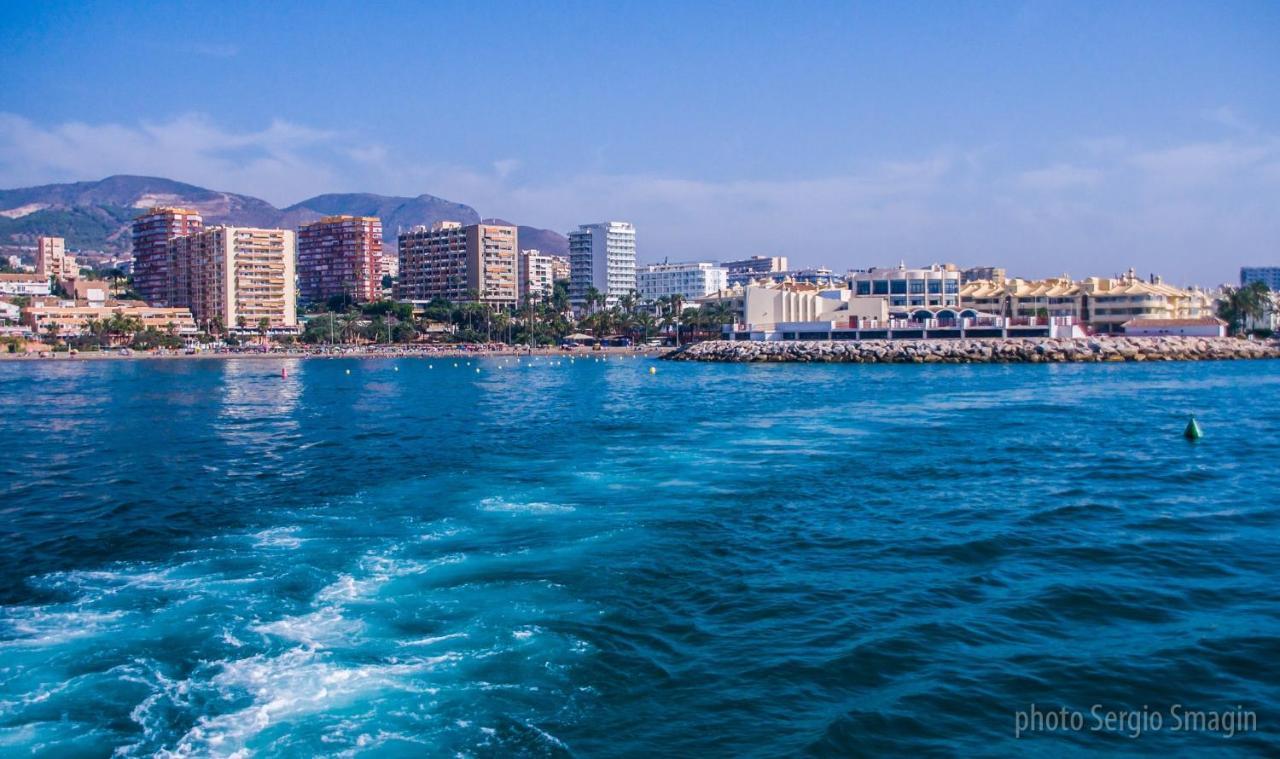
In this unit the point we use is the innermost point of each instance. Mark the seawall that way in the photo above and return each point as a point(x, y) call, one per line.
point(985, 351)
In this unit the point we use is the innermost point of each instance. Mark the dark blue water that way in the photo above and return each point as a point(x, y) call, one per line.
point(203, 557)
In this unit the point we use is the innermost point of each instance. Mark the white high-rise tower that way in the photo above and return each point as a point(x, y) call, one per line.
point(602, 256)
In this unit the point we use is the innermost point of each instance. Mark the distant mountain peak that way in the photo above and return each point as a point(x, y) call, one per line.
point(97, 215)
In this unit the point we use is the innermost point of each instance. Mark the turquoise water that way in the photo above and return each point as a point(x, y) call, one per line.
point(204, 557)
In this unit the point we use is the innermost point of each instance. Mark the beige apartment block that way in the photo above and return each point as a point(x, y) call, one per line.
point(234, 277)
point(537, 276)
point(1103, 303)
point(52, 259)
point(476, 263)
point(73, 319)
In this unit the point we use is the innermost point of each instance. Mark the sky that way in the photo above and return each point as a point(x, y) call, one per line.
point(1046, 137)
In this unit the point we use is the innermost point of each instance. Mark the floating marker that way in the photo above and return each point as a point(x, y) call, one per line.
point(653, 370)
point(1193, 431)
point(395, 368)
point(477, 370)
point(429, 366)
point(348, 371)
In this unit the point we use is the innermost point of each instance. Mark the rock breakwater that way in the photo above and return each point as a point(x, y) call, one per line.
point(985, 351)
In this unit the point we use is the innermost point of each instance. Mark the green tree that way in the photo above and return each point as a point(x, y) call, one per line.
point(1239, 305)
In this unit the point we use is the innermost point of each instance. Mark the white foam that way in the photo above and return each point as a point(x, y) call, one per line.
point(378, 570)
point(323, 627)
point(38, 626)
point(278, 537)
point(298, 682)
point(432, 641)
point(497, 504)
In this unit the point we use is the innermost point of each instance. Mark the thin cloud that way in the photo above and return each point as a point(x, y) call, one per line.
point(1193, 211)
point(1060, 176)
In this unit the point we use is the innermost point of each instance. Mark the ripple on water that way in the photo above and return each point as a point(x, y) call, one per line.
point(205, 558)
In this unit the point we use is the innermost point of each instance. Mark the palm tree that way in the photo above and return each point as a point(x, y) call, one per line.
point(1243, 304)
point(350, 321)
point(715, 315)
point(645, 322)
point(264, 324)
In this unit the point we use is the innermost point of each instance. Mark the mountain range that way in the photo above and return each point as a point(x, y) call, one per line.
point(97, 215)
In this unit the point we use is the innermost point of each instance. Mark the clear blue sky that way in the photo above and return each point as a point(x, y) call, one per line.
point(1047, 136)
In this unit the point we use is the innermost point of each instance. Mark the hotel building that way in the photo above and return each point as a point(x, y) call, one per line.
point(602, 256)
point(688, 280)
point(236, 277)
point(537, 276)
point(976, 273)
point(152, 232)
point(52, 259)
point(73, 319)
point(476, 263)
point(748, 269)
point(340, 255)
point(1267, 275)
point(937, 286)
point(1105, 304)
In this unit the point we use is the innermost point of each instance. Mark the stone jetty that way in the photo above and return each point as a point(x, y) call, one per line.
point(982, 351)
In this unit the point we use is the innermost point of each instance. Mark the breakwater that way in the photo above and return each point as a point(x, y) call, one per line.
point(969, 351)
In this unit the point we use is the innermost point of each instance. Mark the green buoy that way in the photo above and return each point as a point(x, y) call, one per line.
point(1193, 431)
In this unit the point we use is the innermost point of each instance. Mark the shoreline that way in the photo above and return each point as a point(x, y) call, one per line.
point(982, 350)
point(350, 352)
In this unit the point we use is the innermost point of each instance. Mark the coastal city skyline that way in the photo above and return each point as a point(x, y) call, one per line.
point(599, 379)
point(1157, 150)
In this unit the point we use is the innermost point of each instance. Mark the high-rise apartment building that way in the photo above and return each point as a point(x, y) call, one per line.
point(340, 255)
point(537, 276)
point(52, 259)
point(688, 280)
point(476, 263)
point(602, 256)
point(152, 232)
point(235, 277)
point(1267, 275)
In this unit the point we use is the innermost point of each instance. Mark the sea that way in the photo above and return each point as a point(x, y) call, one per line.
point(618, 557)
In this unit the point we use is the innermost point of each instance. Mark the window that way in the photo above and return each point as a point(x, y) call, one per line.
point(935, 286)
point(898, 286)
point(880, 287)
point(917, 287)
point(864, 287)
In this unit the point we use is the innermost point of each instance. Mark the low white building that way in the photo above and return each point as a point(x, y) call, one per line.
point(1203, 327)
point(932, 287)
point(764, 306)
point(805, 312)
point(23, 284)
point(690, 281)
